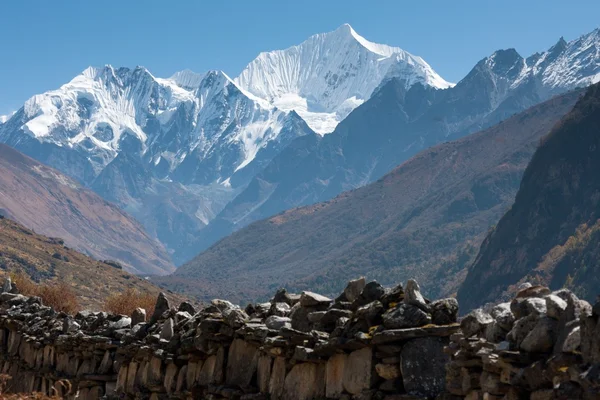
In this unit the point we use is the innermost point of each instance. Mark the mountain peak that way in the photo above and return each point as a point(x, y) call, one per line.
point(187, 79)
point(348, 32)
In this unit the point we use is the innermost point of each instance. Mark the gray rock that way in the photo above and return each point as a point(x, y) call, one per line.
point(413, 296)
point(167, 330)
point(370, 313)
point(187, 307)
point(70, 326)
point(521, 329)
point(236, 318)
point(444, 311)
point(316, 316)
point(475, 322)
point(224, 306)
point(405, 316)
point(276, 322)
point(555, 306)
point(282, 296)
point(494, 333)
point(310, 299)
point(423, 366)
point(7, 286)
point(503, 316)
point(542, 337)
point(354, 289)
point(299, 317)
point(280, 308)
point(394, 295)
point(138, 316)
point(522, 307)
point(572, 342)
point(121, 323)
point(162, 305)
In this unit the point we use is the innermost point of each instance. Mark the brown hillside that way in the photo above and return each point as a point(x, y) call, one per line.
point(50, 203)
point(47, 260)
point(425, 219)
point(551, 235)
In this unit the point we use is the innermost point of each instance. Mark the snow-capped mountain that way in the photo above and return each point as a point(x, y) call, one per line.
point(175, 148)
point(105, 111)
point(4, 118)
point(324, 78)
point(396, 123)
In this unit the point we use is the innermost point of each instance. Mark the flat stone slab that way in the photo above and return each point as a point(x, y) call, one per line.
point(397, 335)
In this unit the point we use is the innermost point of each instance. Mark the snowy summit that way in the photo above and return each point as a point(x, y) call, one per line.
point(324, 78)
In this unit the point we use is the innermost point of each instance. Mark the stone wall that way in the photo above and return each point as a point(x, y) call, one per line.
point(541, 346)
point(368, 343)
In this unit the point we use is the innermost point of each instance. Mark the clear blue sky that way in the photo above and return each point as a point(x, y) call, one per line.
point(43, 44)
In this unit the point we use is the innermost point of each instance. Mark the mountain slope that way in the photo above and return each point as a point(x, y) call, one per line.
point(398, 122)
point(550, 234)
point(330, 74)
point(51, 203)
point(424, 219)
point(47, 260)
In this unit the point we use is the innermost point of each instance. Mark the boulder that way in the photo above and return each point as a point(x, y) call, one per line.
point(572, 342)
point(167, 330)
point(276, 323)
point(236, 318)
point(187, 307)
point(354, 288)
point(444, 311)
point(138, 316)
point(503, 316)
point(310, 299)
point(413, 296)
point(405, 316)
point(7, 285)
point(522, 307)
point(393, 296)
point(542, 337)
point(555, 306)
point(162, 306)
point(370, 313)
point(282, 296)
point(532, 291)
point(280, 308)
point(521, 329)
point(299, 317)
point(423, 366)
point(475, 322)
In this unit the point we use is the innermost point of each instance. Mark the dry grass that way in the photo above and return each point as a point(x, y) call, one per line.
point(59, 296)
point(125, 303)
point(62, 386)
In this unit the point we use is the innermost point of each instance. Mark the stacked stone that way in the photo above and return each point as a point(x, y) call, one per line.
point(534, 347)
point(368, 343)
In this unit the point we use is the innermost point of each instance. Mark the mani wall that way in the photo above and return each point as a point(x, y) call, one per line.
point(368, 343)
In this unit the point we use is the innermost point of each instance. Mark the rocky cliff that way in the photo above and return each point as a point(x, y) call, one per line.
point(550, 235)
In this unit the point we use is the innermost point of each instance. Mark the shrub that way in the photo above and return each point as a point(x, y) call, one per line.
point(59, 296)
point(60, 386)
point(125, 303)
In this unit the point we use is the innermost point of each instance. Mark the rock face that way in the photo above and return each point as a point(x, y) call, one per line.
point(552, 246)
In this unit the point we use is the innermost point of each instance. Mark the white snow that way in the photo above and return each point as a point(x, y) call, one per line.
point(324, 78)
point(4, 118)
